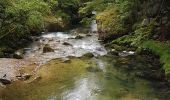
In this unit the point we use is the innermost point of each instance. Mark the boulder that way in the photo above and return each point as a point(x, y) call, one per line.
point(66, 43)
point(19, 54)
point(47, 48)
point(88, 55)
point(114, 52)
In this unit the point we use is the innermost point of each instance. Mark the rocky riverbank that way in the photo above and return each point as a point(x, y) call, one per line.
point(47, 47)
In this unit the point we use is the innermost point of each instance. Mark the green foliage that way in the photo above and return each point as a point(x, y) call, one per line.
point(22, 16)
point(97, 5)
point(115, 17)
point(35, 20)
point(161, 49)
point(86, 21)
point(63, 15)
point(140, 34)
point(110, 21)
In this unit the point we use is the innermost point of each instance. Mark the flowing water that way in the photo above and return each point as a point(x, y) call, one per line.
point(65, 75)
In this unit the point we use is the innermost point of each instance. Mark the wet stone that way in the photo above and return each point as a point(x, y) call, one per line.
point(47, 48)
point(5, 81)
point(67, 44)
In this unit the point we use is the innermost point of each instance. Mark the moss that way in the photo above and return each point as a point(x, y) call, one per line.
point(109, 20)
point(161, 49)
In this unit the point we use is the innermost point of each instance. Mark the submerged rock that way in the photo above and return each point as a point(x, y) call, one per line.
point(47, 48)
point(5, 81)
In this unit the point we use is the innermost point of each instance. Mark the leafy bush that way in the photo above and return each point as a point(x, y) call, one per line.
point(22, 16)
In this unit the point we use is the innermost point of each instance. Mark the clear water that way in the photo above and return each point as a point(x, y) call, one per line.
point(72, 81)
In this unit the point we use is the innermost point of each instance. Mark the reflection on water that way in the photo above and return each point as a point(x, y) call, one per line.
point(72, 81)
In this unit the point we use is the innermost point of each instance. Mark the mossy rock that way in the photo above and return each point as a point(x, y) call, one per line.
point(115, 46)
point(19, 54)
point(114, 52)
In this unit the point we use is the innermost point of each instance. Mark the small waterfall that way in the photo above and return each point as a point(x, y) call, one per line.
point(94, 26)
point(94, 23)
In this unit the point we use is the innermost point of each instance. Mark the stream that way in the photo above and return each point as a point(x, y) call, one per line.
point(65, 74)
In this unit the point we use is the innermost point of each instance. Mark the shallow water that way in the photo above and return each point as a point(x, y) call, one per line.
point(55, 40)
point(72, 81)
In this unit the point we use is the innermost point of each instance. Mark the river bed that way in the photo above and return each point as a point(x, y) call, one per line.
point(65, 74)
